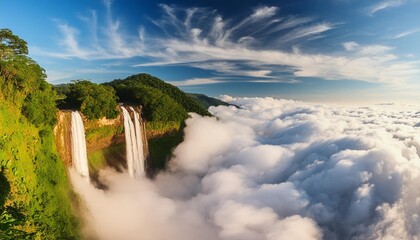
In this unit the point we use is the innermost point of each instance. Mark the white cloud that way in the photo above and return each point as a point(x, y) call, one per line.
point(372, 63)
point(264, 12)
point(262, 74)
point(307, 31)
point(195, 81)
point(407, 33)
point(275, 81)
point(290, 22)
point(69, 40)
point(273, 169)
point(378, 68)
point(113, 44)
point(374, 50)
point(251, 44)
point(350, 46)
point(384, 5)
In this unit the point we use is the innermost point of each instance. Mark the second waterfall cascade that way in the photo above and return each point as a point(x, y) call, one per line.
point(78, 145)
point(134, 143)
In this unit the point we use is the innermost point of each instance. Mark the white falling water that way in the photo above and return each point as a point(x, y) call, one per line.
point(78, 145)
point(139, 140)
point(134, 143)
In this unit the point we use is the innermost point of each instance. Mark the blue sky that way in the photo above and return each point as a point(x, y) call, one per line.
point(314, 50)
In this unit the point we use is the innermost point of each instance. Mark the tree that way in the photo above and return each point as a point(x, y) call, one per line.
point(11, 45)
point(93, 100)
point(39, 106)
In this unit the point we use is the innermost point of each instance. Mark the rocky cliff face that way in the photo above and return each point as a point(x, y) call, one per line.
point(62, 133)
point(105, 141)
point(103, 133)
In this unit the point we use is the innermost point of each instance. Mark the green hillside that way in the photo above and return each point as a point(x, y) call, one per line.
point(35, 196)
point(165, 107)
point(206, 101)
point(189, 104)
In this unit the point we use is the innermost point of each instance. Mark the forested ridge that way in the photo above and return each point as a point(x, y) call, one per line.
point(164, 106)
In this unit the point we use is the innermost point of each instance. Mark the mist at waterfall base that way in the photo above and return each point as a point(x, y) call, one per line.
point(273, 169)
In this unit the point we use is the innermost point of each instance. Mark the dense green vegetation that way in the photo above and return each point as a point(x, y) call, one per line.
point(206, 101)
point(96, 133)
point(93, 100)
point(189, 104)
point(35, 195)
point(156, 106)
point(23, 81)
point(165, 107)
point(113, 156)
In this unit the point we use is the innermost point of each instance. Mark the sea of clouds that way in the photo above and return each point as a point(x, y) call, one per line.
point(273, 169)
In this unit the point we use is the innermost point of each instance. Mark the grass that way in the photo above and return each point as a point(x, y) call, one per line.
point(96, 133)
point(113, 155)
point(163, 127)
point(37, 204)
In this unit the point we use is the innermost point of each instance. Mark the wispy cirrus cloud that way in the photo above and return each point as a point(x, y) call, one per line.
point(216, 80)
point(106, 41)
point(372, 63)
point(195, 81)
point(367, 50)
point(406, 33)
point(249, 48)
point(307, 31)
point(384, 5)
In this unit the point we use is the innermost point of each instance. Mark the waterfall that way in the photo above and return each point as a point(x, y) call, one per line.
point(134, 143)
point(78, 145)
point(139, 140)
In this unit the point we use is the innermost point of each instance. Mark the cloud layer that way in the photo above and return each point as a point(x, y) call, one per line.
point(274, 169)
point(266, 44)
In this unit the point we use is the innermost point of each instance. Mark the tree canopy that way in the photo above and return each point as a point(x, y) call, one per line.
point(11, 44)
point(93, 100)
point(22, 81)
point(157, 106)
point(188, 103)
point(34, 200)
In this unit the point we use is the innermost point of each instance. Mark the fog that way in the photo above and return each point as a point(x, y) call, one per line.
point(273, 169)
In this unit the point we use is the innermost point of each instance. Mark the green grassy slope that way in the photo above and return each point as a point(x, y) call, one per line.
point(37, 202)
point(35, 196)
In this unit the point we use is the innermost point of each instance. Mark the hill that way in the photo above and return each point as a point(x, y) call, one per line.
point(165, 106)
point(206, 101)
point(188, 103)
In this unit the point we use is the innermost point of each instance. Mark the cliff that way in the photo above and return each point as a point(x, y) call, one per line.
point(62, 136)
point(105, 141)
